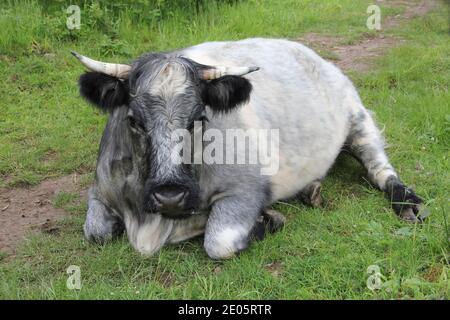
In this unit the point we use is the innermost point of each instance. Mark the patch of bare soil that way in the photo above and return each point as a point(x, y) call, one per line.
point(30, 209)
point(412, 9)
point(275, 268)
point(360, 56)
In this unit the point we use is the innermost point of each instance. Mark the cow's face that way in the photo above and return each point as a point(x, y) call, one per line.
point(164, 94)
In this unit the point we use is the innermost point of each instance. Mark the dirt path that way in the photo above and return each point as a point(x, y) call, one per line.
point(360, 56)
point(25, 209)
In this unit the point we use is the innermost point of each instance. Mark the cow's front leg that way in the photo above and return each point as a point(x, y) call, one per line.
point(101, 224)
point(230, 225)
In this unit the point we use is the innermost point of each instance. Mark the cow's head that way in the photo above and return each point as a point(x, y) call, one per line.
point(163, 93)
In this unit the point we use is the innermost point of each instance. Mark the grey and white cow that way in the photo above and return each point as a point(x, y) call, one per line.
point(139, 189)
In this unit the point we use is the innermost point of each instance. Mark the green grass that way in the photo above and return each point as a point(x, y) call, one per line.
point(47, 130)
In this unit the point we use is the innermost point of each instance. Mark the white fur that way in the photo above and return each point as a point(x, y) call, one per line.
point(170, 82)
point(226, 243)
point(148, 237)
point(296, 91)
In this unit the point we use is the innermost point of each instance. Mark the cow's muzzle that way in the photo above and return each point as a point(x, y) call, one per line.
point(172, 201)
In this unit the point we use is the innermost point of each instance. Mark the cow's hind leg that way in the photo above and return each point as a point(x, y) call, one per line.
point(101, 224)
point(366, 143)
point(310, 195)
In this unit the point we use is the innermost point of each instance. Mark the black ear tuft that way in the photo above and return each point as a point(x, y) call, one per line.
point(105, 92)
point(226, 93)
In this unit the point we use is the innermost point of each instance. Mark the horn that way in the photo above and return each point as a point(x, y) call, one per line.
point(212, 73)
point(120, 71)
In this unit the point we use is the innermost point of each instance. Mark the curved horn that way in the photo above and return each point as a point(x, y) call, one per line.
point(120, 71)
point(220, 71)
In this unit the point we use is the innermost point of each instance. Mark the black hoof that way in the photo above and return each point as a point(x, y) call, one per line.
point(311, 196)
point(273, 220)
point(269, 221)
point(405, 202)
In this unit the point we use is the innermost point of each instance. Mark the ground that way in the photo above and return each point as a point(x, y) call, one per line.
point(25, 209)
point(322, 253)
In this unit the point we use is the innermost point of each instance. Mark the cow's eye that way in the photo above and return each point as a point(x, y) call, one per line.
point(134, 125)
point(201, 119)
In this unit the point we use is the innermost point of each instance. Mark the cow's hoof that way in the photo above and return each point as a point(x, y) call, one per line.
point(273, 220)
point(408, 215)
point(310, 195)
point(407, 204)
point(414, 213)
point(269, 221)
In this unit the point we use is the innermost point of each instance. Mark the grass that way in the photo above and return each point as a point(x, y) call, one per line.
point(46, 130)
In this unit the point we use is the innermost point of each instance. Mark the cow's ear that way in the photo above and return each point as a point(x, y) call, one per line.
point(103, 91)
point(225, 93)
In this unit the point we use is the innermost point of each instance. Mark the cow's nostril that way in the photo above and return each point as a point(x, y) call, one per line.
point(169, 198)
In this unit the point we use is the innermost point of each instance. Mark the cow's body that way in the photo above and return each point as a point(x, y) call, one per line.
point(317, 111)
point(307, 98)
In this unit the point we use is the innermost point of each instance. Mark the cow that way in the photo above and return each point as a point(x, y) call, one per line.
point(260, 84)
